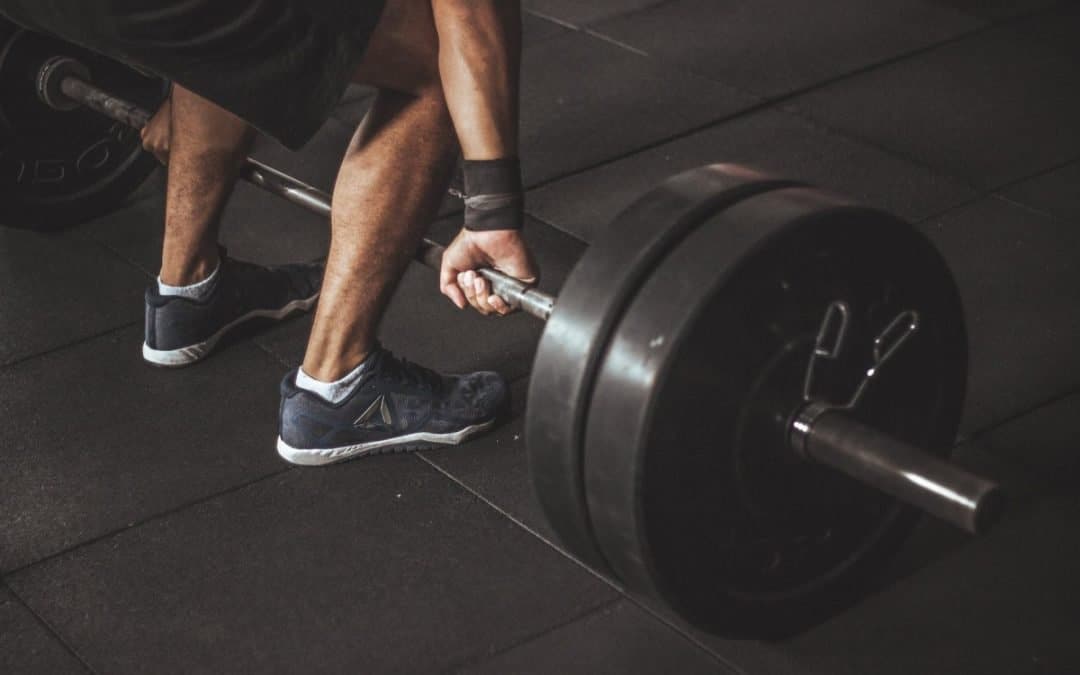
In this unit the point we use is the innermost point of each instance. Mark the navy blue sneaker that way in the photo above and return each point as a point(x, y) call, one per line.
point(181, 331)
point(396, 406)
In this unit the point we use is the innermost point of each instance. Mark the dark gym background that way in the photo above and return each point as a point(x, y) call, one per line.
point(154, 528)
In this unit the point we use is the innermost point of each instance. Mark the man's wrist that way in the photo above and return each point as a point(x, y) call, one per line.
point(494, 197)
point(505, 234)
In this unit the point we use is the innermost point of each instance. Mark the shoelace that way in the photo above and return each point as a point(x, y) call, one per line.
point(411, 373)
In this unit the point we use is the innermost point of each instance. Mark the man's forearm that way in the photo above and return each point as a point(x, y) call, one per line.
point(479, 63)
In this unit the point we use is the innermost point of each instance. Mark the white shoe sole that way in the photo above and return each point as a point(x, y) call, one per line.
point(183, 356)
point(418, 441)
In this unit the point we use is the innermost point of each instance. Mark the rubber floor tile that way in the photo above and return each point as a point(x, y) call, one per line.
point(26, 647)
point(774, 142)
point(496, 467)
point(568, 122)
point(619, 640)
point(992, 108)
point(94, 439)
point(1055, 192)
point(56, 290)
point(1003, 605)
point(380, 565)
point(1020, 285)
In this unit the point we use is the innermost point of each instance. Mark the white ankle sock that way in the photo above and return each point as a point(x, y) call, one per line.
point(197, 291)
point(333, 392)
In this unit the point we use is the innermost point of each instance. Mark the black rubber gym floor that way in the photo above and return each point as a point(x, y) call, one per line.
point(148, 526)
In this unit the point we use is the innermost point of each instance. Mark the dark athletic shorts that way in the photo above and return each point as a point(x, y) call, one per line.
point(281, 65)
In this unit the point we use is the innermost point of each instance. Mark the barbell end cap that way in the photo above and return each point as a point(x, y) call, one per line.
point(991, 506)
point(50, 79)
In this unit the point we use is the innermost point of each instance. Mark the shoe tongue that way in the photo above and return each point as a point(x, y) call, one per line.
point(375, 359)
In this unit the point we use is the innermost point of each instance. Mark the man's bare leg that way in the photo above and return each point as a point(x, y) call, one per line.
point(193, 306)
point(207, 147)
point(387, 193)
point(388, 189)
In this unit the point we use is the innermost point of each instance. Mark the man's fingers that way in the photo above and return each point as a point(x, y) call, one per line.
point(466, 284)
point(456, 296)
point(448, 284)
point(499, 305)
point(480, 284)
point(470, 283)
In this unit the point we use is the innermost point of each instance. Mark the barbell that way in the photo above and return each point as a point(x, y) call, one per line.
point(745, 390)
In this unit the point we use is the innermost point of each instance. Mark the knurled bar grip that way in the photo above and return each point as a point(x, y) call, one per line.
point(514, 292)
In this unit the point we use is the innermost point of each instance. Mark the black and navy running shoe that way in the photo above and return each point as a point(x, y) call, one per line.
point(181, 331)
point(396, 406)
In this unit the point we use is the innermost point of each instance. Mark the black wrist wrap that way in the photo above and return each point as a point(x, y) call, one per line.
point(494, 198)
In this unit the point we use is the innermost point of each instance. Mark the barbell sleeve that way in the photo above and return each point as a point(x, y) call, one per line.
point(910, 474)
point(516, 293)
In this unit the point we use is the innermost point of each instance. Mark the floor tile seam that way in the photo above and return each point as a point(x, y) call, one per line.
point(1029, 208)
point(582, 26)
point(1039, 173)
point(994, 195)
point(15, 571)
point(976, 436)
point(278, 358)
point(650, 145)
point(776, 103)
point(52, 631)
point(553, 19)
point(161, 515)
point(764, 107)
point(641, 52)
point(734, 668)
point(561, 23)
point(481, 658)
point(870, 143)
point(619, 590)
point(783, 102)
point(117, 254)
point(69, 345)
point(1001, 190)
point(982, 26)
